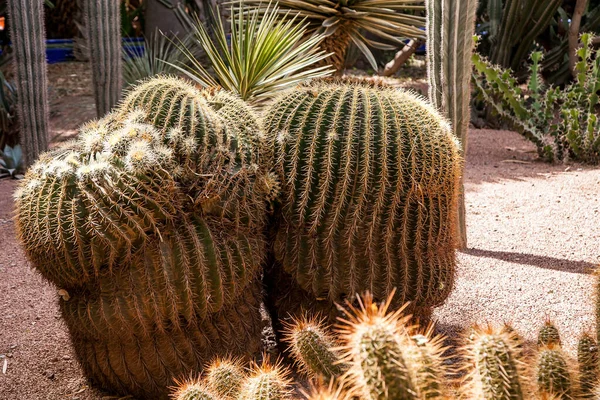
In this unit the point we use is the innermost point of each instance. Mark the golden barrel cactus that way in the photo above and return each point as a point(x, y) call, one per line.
point(369, 184)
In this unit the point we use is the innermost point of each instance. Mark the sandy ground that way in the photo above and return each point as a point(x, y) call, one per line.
point(533, 239)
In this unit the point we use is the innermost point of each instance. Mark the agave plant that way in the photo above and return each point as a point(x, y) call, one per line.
point(11, 162)
point(263, 55)
point(354, 21)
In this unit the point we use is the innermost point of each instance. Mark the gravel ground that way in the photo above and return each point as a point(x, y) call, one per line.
point(533, 241)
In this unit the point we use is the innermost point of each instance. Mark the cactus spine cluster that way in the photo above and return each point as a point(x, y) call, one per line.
point(103, 24)
point(28, 37)
point(387, 358)
point(152, 222)
point(450, 28)
point(368, 192)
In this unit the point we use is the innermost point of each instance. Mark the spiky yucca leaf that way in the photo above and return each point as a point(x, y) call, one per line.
point(157, 58)
point(356, 21)
point(266, 382)
point(313, 348)
point(375, 345)
point(225, 377)
point(496, 373)
point(266, 55)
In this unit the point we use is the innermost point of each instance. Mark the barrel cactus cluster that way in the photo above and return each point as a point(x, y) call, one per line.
point(375, 353)
point(161, 223)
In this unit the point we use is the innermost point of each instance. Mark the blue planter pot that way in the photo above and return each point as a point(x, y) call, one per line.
point(61, 50)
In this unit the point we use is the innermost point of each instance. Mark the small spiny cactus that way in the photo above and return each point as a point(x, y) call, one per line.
point(425, 355)
point(193, 389)
point(553, 374)
point(496, 372)
point(314, 348)
point(587, 359)
point(225, 377)
point(266, 382)
point(374, 347)
point(548, 335)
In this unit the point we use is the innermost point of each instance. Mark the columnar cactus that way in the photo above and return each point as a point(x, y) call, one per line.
point(548, 335)
point(225, 378)
point(103, 24)
point(314, 348)
point(266, 382)
point(28, 37)
point(587, 359)
point(369, 180)
point(496, 372)
point(375, 345)
point(450, 28)
point(553, 374)
point(152, 227)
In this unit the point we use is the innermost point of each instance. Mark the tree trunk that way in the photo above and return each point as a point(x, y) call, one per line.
point(162, 15)
point(574, 33)
point(401, 57)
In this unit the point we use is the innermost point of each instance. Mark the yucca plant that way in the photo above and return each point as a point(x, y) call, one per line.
point(354, 21)
point(264, 55)
point(159, 55)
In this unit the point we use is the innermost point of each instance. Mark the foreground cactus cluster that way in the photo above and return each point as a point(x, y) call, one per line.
point(156, 223)
point(375, 353)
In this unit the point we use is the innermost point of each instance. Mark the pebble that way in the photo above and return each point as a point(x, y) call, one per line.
point(49, 374)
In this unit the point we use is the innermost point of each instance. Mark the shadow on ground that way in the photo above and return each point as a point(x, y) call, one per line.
point(558, 264)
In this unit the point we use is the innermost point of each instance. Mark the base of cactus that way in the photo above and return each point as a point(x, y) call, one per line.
point(286, 300)
point(145, 365)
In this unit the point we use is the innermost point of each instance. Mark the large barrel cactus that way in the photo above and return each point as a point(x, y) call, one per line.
point(151, 224)
point(369, 181)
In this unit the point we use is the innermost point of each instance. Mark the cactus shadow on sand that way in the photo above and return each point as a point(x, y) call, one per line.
point(558, 264)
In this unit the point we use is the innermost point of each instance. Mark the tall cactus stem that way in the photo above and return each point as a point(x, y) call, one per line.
point(29, 48)
point(103, 25)
point(450, 28)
